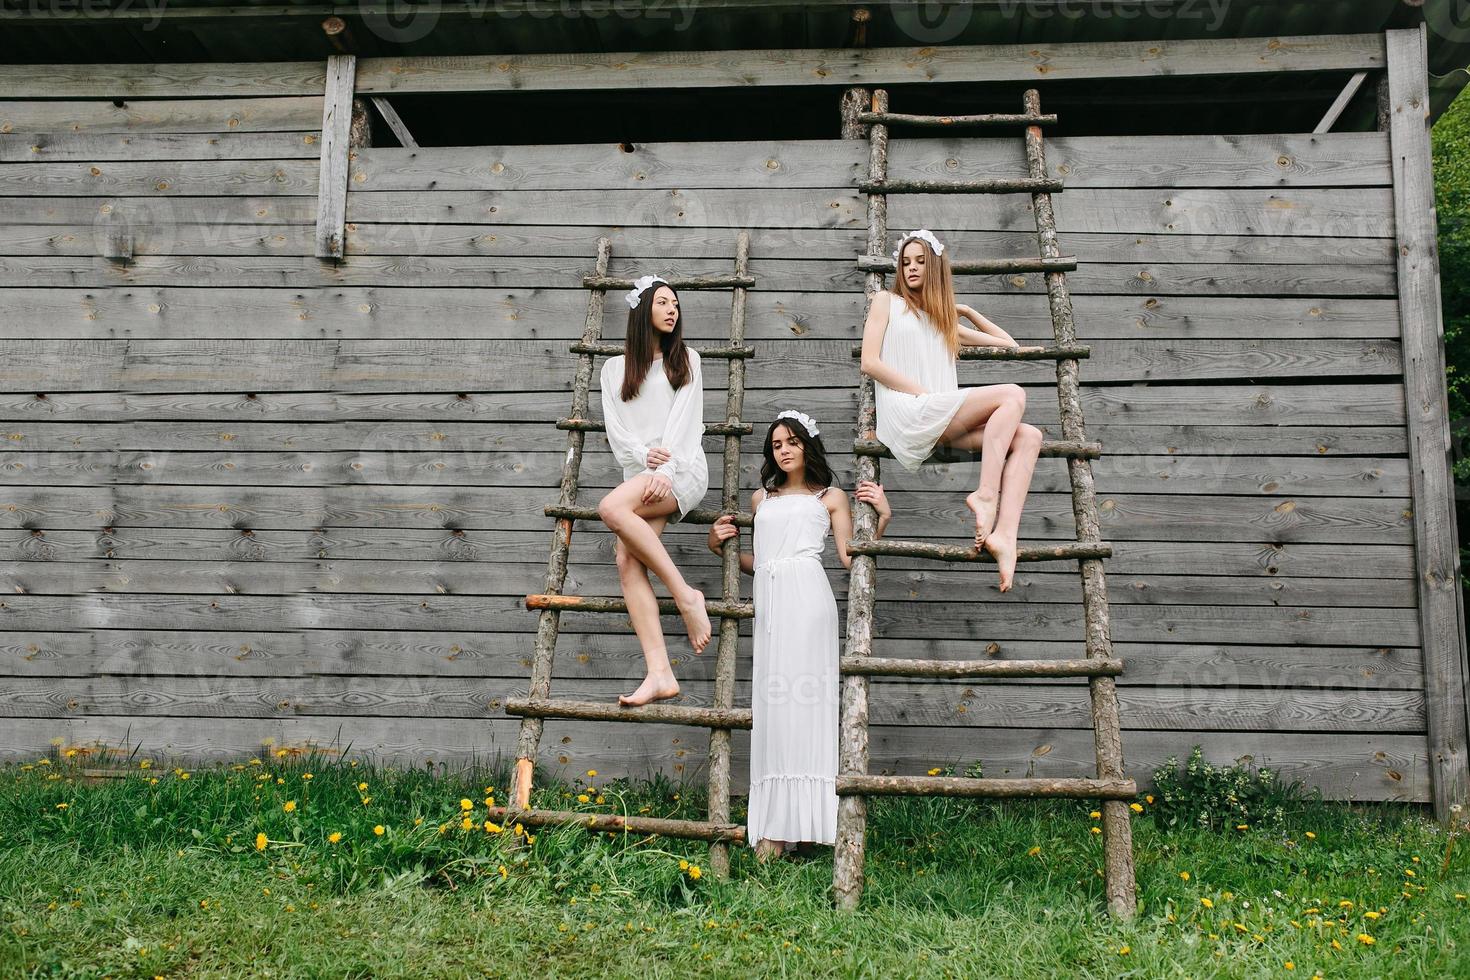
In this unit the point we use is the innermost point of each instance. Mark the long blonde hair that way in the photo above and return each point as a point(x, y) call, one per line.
point(935, 296)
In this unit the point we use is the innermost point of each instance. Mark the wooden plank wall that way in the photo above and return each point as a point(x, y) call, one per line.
point(249, 495)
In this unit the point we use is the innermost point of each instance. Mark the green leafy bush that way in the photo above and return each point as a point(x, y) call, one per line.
point(1221, 797)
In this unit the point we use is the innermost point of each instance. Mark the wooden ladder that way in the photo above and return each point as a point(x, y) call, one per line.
point(854, 783)
point(720, 718)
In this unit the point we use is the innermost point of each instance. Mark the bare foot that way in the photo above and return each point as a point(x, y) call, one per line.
point(765, 849)
point(1004, 550)
point(655, 687)
point(985, 506)
point(696, 619)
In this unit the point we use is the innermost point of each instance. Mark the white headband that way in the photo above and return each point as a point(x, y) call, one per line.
point(803, 418)
point(927, 236)
point(639, 285)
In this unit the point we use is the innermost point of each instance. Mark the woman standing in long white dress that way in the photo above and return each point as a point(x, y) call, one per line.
point(653, 410)
point(910, 343)
point(794, 680)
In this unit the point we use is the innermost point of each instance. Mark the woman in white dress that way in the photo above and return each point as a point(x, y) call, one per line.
point(794, 696)
point(910, 342)
point(653, 409)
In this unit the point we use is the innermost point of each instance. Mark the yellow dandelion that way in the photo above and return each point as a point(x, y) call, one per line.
point(1096, 815)
point(1136, 807)
point(504, 872)
point(260, 842)
point(1366, 939)
point(361, 787)
point(1149, 800)
point(1242, 826)
point(593, 772)
point(1345, 904)
point(1311, 836)
point(598, 800)
point(146, 764)
point(1124, 950)
point(1207, 903)
point(489, 801)
point(1034, 852)
point(466, 804)
point(289, 806)
point(1370, 914)
point(379, 830)
point(1459, 897)
point(334, 837)
point(467, 823)
point(417, 821)
point(1184, 876)
point(63, 806)
point(366, 800)
point(1289, 965)
point(492, 828)
point(1410, 872)
point(306, 777)
point(683, 865)
point(1097, 830)
point(183, 775)
point(583, 798)
point(694, 872)
point(1336, 944)
point(935, 771)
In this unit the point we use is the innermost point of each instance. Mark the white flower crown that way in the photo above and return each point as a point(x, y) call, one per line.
point(803, 418)
point(926, 235)
point(639, 285)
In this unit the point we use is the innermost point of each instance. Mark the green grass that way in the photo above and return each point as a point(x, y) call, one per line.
point(141, 878)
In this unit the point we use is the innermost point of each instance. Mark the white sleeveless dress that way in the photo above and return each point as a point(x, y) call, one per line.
point(794, 690)
point(910, 425)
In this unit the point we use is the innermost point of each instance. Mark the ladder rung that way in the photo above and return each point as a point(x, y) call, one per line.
point(710, 429)
point(977, 267)
point(985, 185)
point(976, 353)
point(677, 282)
point(891, 667)
point(948, 122)
point(952, 552)
point(670, 714)
point(1019, 788)
point(698, 516)
point(728, 353)
point(1050, 448)
point(663, 826)
point(617, 604)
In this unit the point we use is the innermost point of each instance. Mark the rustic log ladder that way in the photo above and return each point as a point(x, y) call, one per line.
point(854, 784)
point(722, 717)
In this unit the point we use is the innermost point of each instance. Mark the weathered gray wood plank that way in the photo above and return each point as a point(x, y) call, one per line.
point(90, 147)
point(1360, 767)
point(488, 313)
point(333, 167)
point(161, 178)
point(173, 115)
point(1436, 544)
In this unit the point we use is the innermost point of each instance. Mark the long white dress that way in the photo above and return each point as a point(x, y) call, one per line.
point(910, 425)
point(659, 416)
point(794, 695)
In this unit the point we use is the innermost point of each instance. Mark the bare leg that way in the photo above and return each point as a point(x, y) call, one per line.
point(1015, 481)
point(991, 415)
point(658, 682)
point(625, 514)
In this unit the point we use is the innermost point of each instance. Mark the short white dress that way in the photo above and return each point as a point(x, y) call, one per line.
point(659, 416)
point(794, 689)
point(910, 425)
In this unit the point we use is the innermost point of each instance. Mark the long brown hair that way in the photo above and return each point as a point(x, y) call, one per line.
point(935, 296)
point(643, 340)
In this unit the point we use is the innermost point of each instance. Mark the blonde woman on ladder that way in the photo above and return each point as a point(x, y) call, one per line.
point(794, 679)
point(910, 343)
point(653, 408)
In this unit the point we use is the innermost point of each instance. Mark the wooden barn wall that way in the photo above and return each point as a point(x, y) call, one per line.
point(254, 497)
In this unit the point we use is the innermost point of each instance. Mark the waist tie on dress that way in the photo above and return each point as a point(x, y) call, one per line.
point(769, 567)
